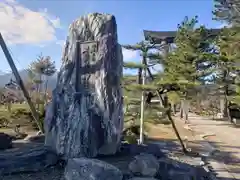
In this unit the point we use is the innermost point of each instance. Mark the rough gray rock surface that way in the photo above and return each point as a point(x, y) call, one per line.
point(85, 117)
point(5, 141)
point(84, 169)
point(30, 160)
point(170, 168)
point(142, 178)
point(144, 165)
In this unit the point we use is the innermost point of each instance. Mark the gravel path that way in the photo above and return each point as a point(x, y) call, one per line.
point(223, 141)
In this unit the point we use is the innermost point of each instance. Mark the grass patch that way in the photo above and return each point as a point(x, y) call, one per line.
point(19, 114)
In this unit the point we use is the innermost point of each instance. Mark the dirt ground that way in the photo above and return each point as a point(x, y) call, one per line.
point(163, 132)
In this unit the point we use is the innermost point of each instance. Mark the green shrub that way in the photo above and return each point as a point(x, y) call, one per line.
point(4, 122)
point(131, 134)
point(131, 139)
point(41, 119)
point(20, 112)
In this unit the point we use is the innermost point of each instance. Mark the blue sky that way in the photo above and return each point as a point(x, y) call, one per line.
point(32, 27)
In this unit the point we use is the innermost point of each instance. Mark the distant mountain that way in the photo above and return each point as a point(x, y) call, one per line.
point(6, 77)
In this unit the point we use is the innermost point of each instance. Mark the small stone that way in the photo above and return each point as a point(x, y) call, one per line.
point(87, 169)
point(5, 141)
point(144, 165)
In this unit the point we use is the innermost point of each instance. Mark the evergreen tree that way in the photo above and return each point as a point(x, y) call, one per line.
point(40, 68)
point(191, 61)
point(133, 88)
point(148, 60)
point(184, 67)
point(227, 67)
point(187, 65)
point(227, 11)
point(227, 70)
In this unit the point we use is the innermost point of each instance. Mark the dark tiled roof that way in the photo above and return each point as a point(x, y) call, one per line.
point(168, 36)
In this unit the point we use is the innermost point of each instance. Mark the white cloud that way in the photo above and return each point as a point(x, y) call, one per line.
point(20, 25)
point(224, 25)
point(129, 55)
point(55, 21)
point(60, 42)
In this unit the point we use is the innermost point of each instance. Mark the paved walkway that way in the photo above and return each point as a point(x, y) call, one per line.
point(226, 139)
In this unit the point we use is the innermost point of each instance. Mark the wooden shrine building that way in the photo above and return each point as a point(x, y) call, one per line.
point(168, 36)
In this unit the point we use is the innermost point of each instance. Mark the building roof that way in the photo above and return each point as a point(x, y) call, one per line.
point(168, 36)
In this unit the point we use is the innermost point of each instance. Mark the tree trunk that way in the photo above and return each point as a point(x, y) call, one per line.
point(173, 108)
point(198, 102)
point(139, 76)
point(40, 84)
point(225, 109)
point(168, 113)
point(45, 92)
point(39, 92)
point(186, 110)
point(222, 105)
point(226, 105)
point(181, 109)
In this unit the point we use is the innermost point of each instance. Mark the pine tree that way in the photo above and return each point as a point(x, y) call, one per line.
point(187, 65)
point(42, 67)
point(227, 70)
point(134, 89)
point(191, 61)
point(227, 11)
point(184, 68)
point(148, 61)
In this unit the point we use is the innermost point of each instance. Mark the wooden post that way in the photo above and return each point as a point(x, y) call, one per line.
point(20, 82)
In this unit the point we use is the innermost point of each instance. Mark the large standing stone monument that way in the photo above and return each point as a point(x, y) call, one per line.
point(85, 117)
